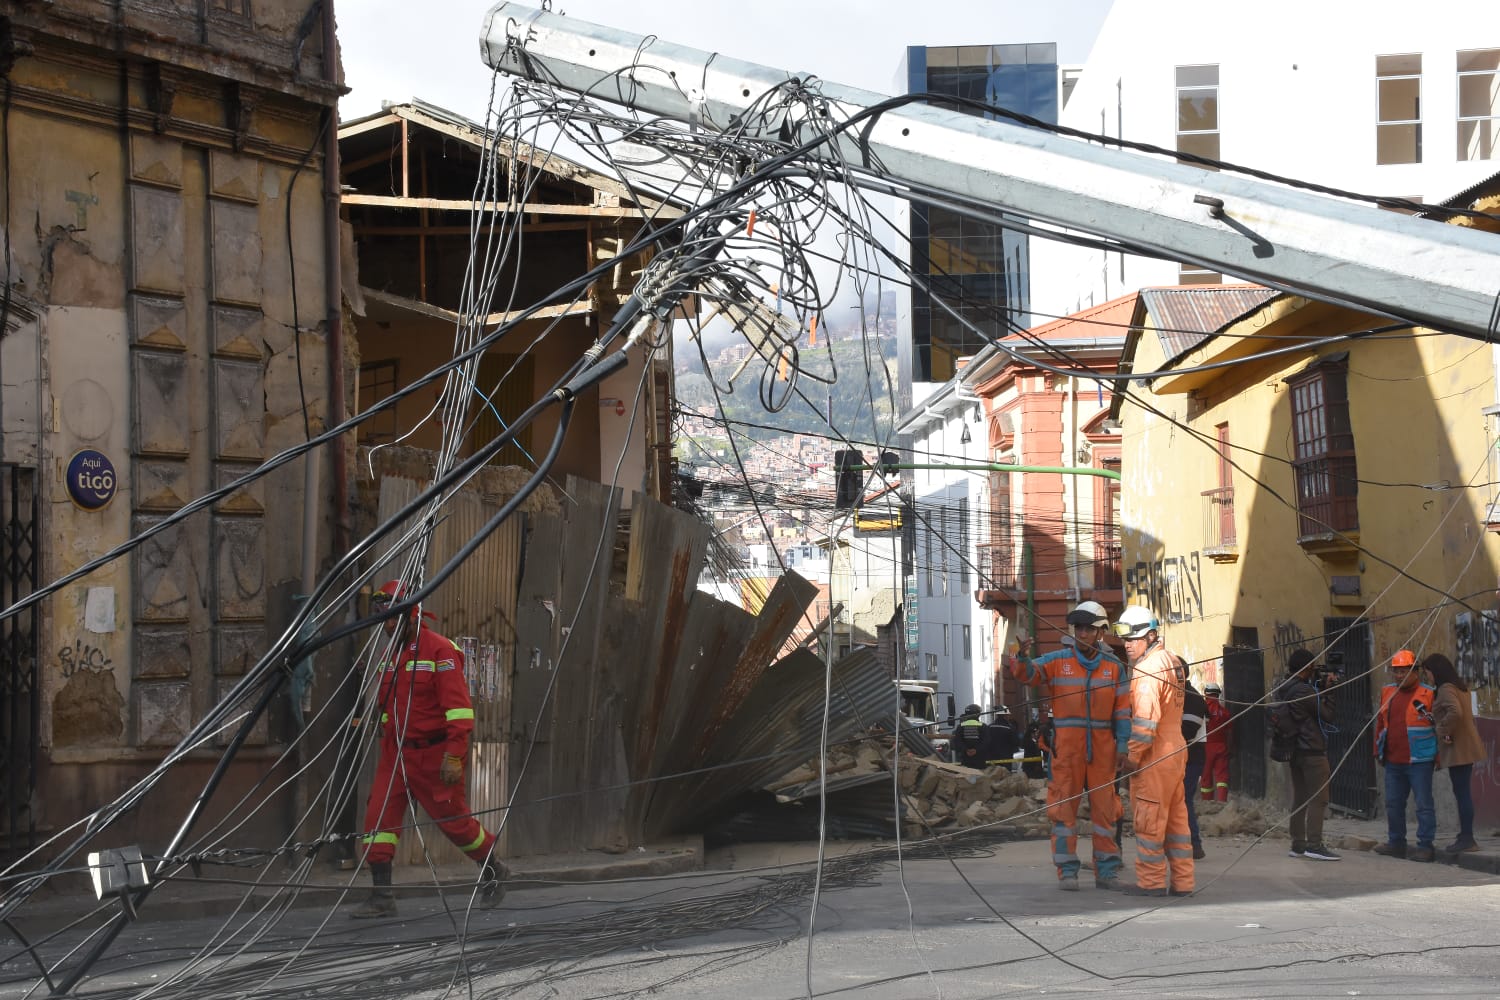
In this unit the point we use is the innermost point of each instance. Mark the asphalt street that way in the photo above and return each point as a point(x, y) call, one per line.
point(987, 922)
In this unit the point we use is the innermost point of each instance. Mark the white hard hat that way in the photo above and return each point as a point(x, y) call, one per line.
point(1135, 621)
point(1089, 613)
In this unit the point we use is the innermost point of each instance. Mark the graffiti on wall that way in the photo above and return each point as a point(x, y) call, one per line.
point(1476, 640)
point(81, 657)
point(1288, 638)
point(1172, 587)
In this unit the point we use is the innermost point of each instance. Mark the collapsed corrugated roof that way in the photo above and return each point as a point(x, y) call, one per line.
point(1187, 316)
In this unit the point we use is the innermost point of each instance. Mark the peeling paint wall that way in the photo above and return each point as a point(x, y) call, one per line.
point(1426, 567)
point(153, 253)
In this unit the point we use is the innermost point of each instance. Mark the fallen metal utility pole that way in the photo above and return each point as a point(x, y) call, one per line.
point(1413, 270)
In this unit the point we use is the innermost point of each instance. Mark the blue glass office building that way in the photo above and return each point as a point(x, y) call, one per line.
point(981, 270)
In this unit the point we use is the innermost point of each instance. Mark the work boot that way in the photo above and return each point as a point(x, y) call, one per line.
point(1068, 883)
point(1420, 854)
point(1111, 883)
point(1136, 890)
point(382, 901)
point(1461, 845)
point(1390, 850)
point(492, 884)
point(1199, 853)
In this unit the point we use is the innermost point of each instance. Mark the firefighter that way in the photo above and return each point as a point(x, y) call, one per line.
point(1214, 784)
point(1157, 757)
point(970, 738)
point(426, 720)
point(1091, 721)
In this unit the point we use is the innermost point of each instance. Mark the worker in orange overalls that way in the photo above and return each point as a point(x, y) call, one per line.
point(1157, 757)
point(1090, 700)
point(426, 719)
point(1219, 723)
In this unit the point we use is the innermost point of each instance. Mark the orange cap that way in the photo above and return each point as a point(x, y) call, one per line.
point(1404, 658)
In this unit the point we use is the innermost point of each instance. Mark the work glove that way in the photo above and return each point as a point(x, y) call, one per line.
point(452, 771)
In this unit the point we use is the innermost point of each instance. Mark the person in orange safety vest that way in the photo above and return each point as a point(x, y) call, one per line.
point(1090, 701)
point(1157, 757)
point(1406, 744)
point(426, 719)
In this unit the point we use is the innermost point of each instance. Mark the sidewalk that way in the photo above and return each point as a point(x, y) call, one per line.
point(1349, 834)
point(222, 890)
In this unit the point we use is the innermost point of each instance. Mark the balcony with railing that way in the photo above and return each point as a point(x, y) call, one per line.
point(1107, 563)
point(1327, 499)
point(997, 567)
point(1219, 540)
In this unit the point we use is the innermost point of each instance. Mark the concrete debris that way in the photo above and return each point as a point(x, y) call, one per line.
point(936, 796)
point(1239, 818)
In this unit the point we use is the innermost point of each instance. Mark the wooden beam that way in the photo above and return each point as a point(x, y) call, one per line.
point(529, 227)
point(358, 128)
point(579, 308)
point(527, 208)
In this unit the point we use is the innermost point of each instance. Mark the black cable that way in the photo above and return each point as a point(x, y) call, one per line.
point(291, 188)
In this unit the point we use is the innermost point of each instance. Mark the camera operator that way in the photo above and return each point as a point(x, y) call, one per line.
point(1306, 713)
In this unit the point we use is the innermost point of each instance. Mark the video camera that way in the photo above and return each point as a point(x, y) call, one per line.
point(1332, 672)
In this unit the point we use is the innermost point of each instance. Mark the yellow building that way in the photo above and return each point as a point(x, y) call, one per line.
point(1332, 487)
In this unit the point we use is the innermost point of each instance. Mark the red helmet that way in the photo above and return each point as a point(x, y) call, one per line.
point(1404, 658)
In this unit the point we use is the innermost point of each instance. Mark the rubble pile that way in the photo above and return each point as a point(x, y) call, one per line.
point(950, 796)
point(936, 796)
point(1239, 818)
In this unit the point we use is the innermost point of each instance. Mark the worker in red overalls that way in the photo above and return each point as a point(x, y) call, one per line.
point(1215, 781)
point(426, 719)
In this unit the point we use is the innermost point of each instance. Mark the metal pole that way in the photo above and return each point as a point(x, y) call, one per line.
point(1065, 470)
point(1411, 269)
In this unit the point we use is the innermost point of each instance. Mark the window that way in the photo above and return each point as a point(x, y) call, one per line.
point(1323, 442)
point(996, 568)
point(929, 536)
point(931, 665)
point(1479, 104)
point(377, 381)
point(946, 649)
point(1492, 502)
point(1198, 111)
point(1198, 134)
point(963, 545)
point(968, 643)
point(1398, 129)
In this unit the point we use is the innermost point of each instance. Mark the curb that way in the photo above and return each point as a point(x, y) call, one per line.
point(190, 899)
point(1478, 861)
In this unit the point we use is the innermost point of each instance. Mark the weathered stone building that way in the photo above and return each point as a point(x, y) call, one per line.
point(166, 328)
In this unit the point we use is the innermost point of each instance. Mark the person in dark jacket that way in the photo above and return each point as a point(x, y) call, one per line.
point(1001, 739)
point(970, 737)
point(1309, 709)
point(1195, 731)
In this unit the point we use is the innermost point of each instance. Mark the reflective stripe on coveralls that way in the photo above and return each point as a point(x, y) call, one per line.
point(1087, 695)
point(1158, 760)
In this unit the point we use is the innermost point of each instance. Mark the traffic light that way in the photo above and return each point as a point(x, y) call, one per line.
point(850, 478)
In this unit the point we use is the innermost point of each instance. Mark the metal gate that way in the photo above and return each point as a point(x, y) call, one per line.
point(1244, 691)
point(20, 695)
point(1350, 751)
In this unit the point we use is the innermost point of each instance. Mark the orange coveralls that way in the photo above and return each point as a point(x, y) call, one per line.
point(1157, 756)
point(1091, 718)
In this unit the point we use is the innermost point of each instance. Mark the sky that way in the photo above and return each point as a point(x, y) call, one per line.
point(394, 50)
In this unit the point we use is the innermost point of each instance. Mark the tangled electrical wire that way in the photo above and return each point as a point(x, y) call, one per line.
point(748, 216)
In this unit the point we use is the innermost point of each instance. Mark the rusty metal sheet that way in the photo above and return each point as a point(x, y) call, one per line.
point(1188, 315)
